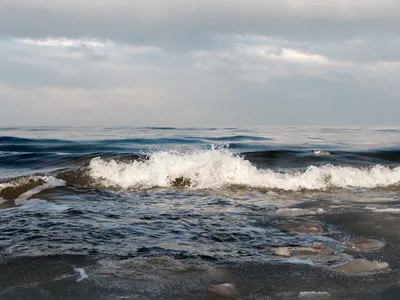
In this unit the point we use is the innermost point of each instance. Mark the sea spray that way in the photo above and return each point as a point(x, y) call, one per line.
point(216, 168)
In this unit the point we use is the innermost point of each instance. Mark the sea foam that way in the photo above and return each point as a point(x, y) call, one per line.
point(213, 169)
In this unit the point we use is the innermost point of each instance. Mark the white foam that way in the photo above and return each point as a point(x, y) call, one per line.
point(220, 168)
point(82, 274)
point(4, 185)
point(321, 153)
point(17, 182)
point(384, 210)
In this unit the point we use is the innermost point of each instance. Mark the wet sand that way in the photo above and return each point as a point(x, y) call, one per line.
point(58, 277)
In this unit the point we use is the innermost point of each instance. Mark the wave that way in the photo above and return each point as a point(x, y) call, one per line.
point(216, 168)
point(21, 189)
point(237, 138)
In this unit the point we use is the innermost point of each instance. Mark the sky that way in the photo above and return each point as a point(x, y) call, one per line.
point(199, 62)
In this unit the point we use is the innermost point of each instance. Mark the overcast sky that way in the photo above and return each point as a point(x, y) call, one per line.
point(199, 62)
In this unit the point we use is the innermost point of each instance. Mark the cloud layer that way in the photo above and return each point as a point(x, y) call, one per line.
point(199, 62)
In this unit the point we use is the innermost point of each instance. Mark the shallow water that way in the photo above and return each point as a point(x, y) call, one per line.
point(163, 213)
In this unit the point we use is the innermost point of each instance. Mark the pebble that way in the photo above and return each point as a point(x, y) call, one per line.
point(318, 252)
point(309, 251)
point(282, 251)
point(318, 245)
point(224, 289)
point(364, 245)
point(300, 227)
point(362, 266)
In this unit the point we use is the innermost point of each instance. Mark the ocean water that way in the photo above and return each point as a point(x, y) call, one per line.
point(168, 213)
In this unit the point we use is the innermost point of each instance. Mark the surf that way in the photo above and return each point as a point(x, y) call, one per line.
point(216, 168)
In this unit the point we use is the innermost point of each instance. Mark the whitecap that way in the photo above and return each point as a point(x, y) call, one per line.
point(82, 274)
point(213, 169)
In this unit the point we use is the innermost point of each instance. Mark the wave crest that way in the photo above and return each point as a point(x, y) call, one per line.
point(213, 169)
point(22, 188)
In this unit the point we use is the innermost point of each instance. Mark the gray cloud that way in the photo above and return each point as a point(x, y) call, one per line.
point(179, 23)
point(200, 63)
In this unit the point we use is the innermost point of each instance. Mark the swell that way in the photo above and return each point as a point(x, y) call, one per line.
point(390, 156)
point(301, 159)
point(42, 155)
point(254, 148)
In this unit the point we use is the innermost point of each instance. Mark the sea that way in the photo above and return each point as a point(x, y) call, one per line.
point(198, 213)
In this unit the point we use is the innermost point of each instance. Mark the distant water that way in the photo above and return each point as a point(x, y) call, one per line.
point(200, 193)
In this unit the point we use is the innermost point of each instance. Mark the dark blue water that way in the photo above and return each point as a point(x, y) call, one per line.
point(154, 212)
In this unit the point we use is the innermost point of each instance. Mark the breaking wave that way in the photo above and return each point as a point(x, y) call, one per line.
point(21, 189)
point(214, 169)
